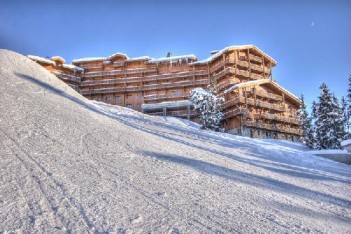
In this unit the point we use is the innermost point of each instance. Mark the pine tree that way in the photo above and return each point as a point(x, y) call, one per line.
point(306, 125)
point(346, 117)
point(327, 121)
point(208, 106)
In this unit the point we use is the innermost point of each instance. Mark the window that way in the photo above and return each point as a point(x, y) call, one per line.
point(108, 98)
point(129, 96)
point(129, 105)
point(99, 99)
point(176, 93)
point(117, 98)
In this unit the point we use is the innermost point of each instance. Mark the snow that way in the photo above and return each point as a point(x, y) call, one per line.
point(73, 67)
point(230, 48)
point(139, 58)
point(88, 59)
point(117, 54)
point(54, 58)
point(165, 104)
point(245, 84)
point(346, 142)
point(41, 59)
point(173, 58)
point(72, 165)
point(328, 151)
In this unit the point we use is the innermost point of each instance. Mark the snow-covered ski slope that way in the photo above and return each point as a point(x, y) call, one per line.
point(69, 164)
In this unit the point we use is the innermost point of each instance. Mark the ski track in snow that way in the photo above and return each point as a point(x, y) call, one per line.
point(73, 165)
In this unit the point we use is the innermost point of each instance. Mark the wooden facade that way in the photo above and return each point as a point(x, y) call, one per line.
point(254, 105)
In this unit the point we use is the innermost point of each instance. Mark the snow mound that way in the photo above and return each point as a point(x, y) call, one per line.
point(72, 165)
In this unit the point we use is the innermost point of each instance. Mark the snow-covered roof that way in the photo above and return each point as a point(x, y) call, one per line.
point(139, 58)
point(89, 59)
point(173, 58)
point(58, 58)
point(263, 81)
point(245, 84)
point(41, 59)
point(73, 67)
point(166, 104)
point(118, 54)
point(230, 48)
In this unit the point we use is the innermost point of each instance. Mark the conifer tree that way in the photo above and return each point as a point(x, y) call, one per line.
point(306, 125)
point(327, 121)
point(346, 117)
point(208, 106)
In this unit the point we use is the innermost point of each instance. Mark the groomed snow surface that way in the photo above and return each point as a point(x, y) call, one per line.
point(72, 165)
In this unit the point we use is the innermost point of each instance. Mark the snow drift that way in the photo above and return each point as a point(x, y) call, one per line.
point(69, 164)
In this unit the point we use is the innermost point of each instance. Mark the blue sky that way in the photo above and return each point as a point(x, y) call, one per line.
point(311, 40)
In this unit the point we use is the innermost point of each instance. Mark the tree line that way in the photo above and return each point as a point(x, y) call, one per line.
point(329, 120)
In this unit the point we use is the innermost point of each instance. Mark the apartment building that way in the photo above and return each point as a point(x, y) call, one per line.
point(255, 105)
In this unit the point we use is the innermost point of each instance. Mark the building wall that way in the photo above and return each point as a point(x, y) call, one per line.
point(128, 82)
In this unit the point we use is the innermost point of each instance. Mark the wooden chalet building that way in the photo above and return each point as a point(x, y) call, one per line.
point(255, 105)
point(69, 73)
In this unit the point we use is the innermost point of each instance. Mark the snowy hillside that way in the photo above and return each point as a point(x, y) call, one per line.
point(69, 164)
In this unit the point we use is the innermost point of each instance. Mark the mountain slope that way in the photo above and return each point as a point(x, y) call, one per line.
point(69, 164)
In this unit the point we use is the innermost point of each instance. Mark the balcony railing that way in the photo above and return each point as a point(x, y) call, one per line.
point(227, 71)
point(269, 96)
point(256, 67)
point(242, 73)
point(220, 65)
point(144, 78)
point(255, 58)
point(242, 63)
point(255, 76)
point(235, 112)
point(118, 72)
point(273, 127)
point(280, 118)
point(67, 77)
point(224, 85)
point(145, 87)
point(251, 101)
point(230, 103)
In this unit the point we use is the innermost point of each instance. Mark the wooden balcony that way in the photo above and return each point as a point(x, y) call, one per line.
point(267, 70)
point(118, 64)
point(269, 96)
point(242, 73)
point(255, 76)
point(225, 85)
point(230, 103)
point(227, 71)
point(119, 72)
point(68, 77)
point(255, 58)
point(164, 97)
point(220, 65)
point(280, 118)
point(235, 112)
point(256, 67)
point(273, 127)
point(251, 102)
point(144, 78)
point(242, 63)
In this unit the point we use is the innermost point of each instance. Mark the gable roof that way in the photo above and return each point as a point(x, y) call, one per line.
point(231, 48)
point(261, 82)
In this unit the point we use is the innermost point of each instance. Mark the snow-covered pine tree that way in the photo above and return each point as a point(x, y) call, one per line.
point(208, 106)
point(306, 125)
point(346, 116)
point(327, 120)
point(339, 122)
